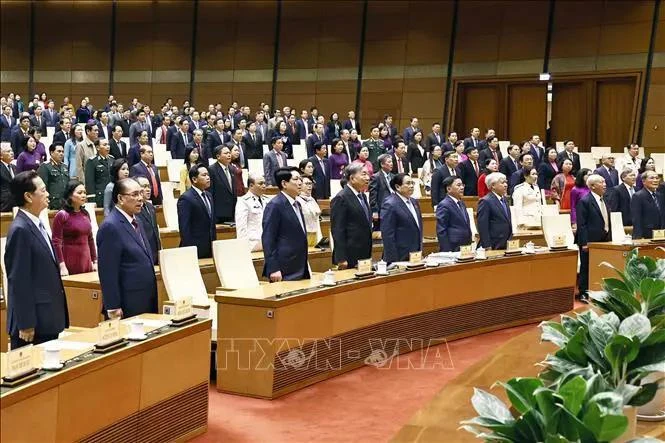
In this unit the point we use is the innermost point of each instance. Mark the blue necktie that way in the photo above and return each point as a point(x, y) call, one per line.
point(365, 206)
point(42, 230)
point(464, 213)
point(505, 208)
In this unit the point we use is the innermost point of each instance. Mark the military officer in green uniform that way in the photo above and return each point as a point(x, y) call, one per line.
point(55, 175)
point(375, 146)
point(98, 171)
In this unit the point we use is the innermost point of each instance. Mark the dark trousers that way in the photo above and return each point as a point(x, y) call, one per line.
point(17, 342)
point(583, 280)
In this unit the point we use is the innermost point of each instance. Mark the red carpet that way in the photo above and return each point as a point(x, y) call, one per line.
point(368, 404)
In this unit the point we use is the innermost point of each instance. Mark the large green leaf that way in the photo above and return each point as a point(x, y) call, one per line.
point(610, 284)
point(574, 349)
point(492, 425)
point(573, 393)
point(655, 338)
point(553, 332)
point(605, 427)
point(652, 354)
point(620, 351)
point(520, 392)
point(650, 287)
point(530, 427)
point(489, 406)
point(645, 394)
point(573, 428)
point(637, 325)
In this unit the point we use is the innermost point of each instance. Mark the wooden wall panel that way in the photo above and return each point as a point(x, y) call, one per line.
point(478, 105)
point(569, 113)
point(576, 29)
point(527, 111)
point(14, 47)
point(124, 92)
point(212, 93)
point(614, 112)
point(6, 88)
point(653, 137)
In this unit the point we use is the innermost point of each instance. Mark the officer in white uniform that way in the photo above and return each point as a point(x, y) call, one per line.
point(249, 212)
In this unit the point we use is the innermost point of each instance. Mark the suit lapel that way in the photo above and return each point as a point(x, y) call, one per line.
point(359, 206)
point(35, 231)
point(405, 210)
point(498, 204)
point(137, 236)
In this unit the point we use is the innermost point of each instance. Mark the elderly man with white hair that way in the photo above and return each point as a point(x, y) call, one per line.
point(249, 212)
point(593, 225)
point(608, 171)
point(494, 220)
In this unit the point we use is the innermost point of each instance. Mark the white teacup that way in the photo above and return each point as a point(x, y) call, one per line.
point(51, 356)
point(136, 328)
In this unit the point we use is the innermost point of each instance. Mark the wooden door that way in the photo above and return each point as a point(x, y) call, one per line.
point(569, 114)
point(477, 107)
point(614, 111)
point(527, 111)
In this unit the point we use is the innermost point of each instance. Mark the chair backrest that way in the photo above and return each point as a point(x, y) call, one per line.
point(335, 187)
point(180, 272)
point(3, 245)
point(255, 166)
point(514, 218)
point(173, 168)
point(559, 146)
point(417, 192)
point(299, 152)
point(472, 221)
point(659, 159)
point(169, 204)
point(162, 158)
point(618, 232)
point(503, 147)
point(233, 261)
point(266, 149)
point(558, 225)
point(90, 207)
point(548, 210)
point(587, 160)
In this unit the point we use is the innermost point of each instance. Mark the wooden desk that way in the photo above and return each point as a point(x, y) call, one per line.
point(439, 419)
point(84, 294)
point(171, 237)
point(154, 390)
point(616, 254)
point(269, 346)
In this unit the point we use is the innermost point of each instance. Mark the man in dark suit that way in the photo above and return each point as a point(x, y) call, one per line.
point(118, 147)
point(593, 225)
point(216, 137)
point(274, 159)
point(570, 154)
point(351, 122)
point(284, 236)
point(316, 137)
point(453, 227)
point(401, 221)
point(196, 221)
point(536, 151)
point(148, 219)
point(126, 265)
point(351, 219)
point(253, 142)
point(400, 163)
point(511, 163)
point(98, 171)
point(146, 169)
point(197, 143)
point(620, 196)
point(492, 151)
point(303, 126)
point(7, 173)
point(223, 186)
point(7, 123)
point(37, 306)
point(451, 143)
point(379, 185)
point(470, 171)
point(606, 170)
point(321, 172)
point(410, 130)
point(37, 120)
point(434, 138)
point(517, 177)
point(489, 135)
point(20, 134)
point(473, 139)
point(180, 140)
point(237, 142)
point(646, 207)
point(51, 116)
point(125, 123)
point(142, 123)
point(388, 122)
point(494, 220)
point(449, 169)
point(62, 135)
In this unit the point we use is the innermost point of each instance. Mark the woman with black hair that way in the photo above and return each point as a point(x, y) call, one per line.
point(72, 233)
point(119, 170)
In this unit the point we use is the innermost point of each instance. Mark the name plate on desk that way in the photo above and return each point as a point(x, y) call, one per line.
point(364, 266)
point(513, 245)
point(415, 257)
point(658, 235)
point(20, 362)
point(108, 332)
point(466, 252)
point(182, 308)
point(559, 241)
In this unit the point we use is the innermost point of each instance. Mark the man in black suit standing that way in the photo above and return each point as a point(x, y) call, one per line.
point(236, 140)
point(223, 185)
point(7, 173)
point(410, 130)
point(470, 171)
point(321, 172)
point(473, 139)
point(253, 142)
point(196, 221)
point(118, 147)
point(145, 168)
point(37, 120)
point(489, 135)
point(570, 154)
point(434, 138)
point(379, 185)
point(51, 116)
point(351, 122)
point(37, 306)
point(7, 123)
point(316, 137)
point(62, 135)
point(607, 170)
point(510, 164)
point(646, 207)
point(453, 226)
point(620, 196)
point(492, 151)
point(494, 219)
point(351, 220)
point(216, 138)
point(148, 220)
point(451, 143)
point(303, 125)
point(536, 151)
point(449, 169)
point(180, 140)
point(400, 164)
point(593, 225)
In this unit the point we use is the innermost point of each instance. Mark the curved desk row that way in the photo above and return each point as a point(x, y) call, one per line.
point(154, 390)
point(616, 254)
point(439, 419)
point(270, 345)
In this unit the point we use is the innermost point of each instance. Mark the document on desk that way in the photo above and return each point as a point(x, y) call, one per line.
point(148, 324)
point(65, 345)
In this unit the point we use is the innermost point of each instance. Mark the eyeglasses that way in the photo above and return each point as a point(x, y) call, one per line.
point(134, 194)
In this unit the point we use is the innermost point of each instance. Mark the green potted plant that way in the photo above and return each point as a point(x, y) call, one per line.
point(577, 410)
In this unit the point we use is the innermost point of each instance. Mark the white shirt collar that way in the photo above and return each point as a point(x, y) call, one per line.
point(404, 199)
point(129, 218)
point(354, 191)
point(630, 188)
point(497, 195)
point(32, 218)
point(596, 196)
point(198, 191)
point(289, 198)
point(454, 199)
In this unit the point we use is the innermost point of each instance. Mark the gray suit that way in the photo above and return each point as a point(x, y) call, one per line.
point(270, 165)
point(136, 128)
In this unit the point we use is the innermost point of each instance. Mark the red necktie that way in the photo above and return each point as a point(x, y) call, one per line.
point(162, 139)
point(153, 181)
point(400, 168)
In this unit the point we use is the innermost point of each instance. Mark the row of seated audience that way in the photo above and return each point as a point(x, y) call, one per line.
point(285, 226)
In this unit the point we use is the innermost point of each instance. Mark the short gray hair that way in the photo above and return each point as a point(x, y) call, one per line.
point(593, 179)
point(625, 173)
point(352, 169)
point(383, 158)
point(198, 131)
point(493, 178)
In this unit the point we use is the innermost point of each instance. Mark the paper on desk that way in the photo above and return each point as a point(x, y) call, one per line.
point(151, 323)
point(65, 345)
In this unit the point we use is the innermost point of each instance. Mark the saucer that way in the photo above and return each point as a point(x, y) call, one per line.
point(137, 337)
point(54, 367)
